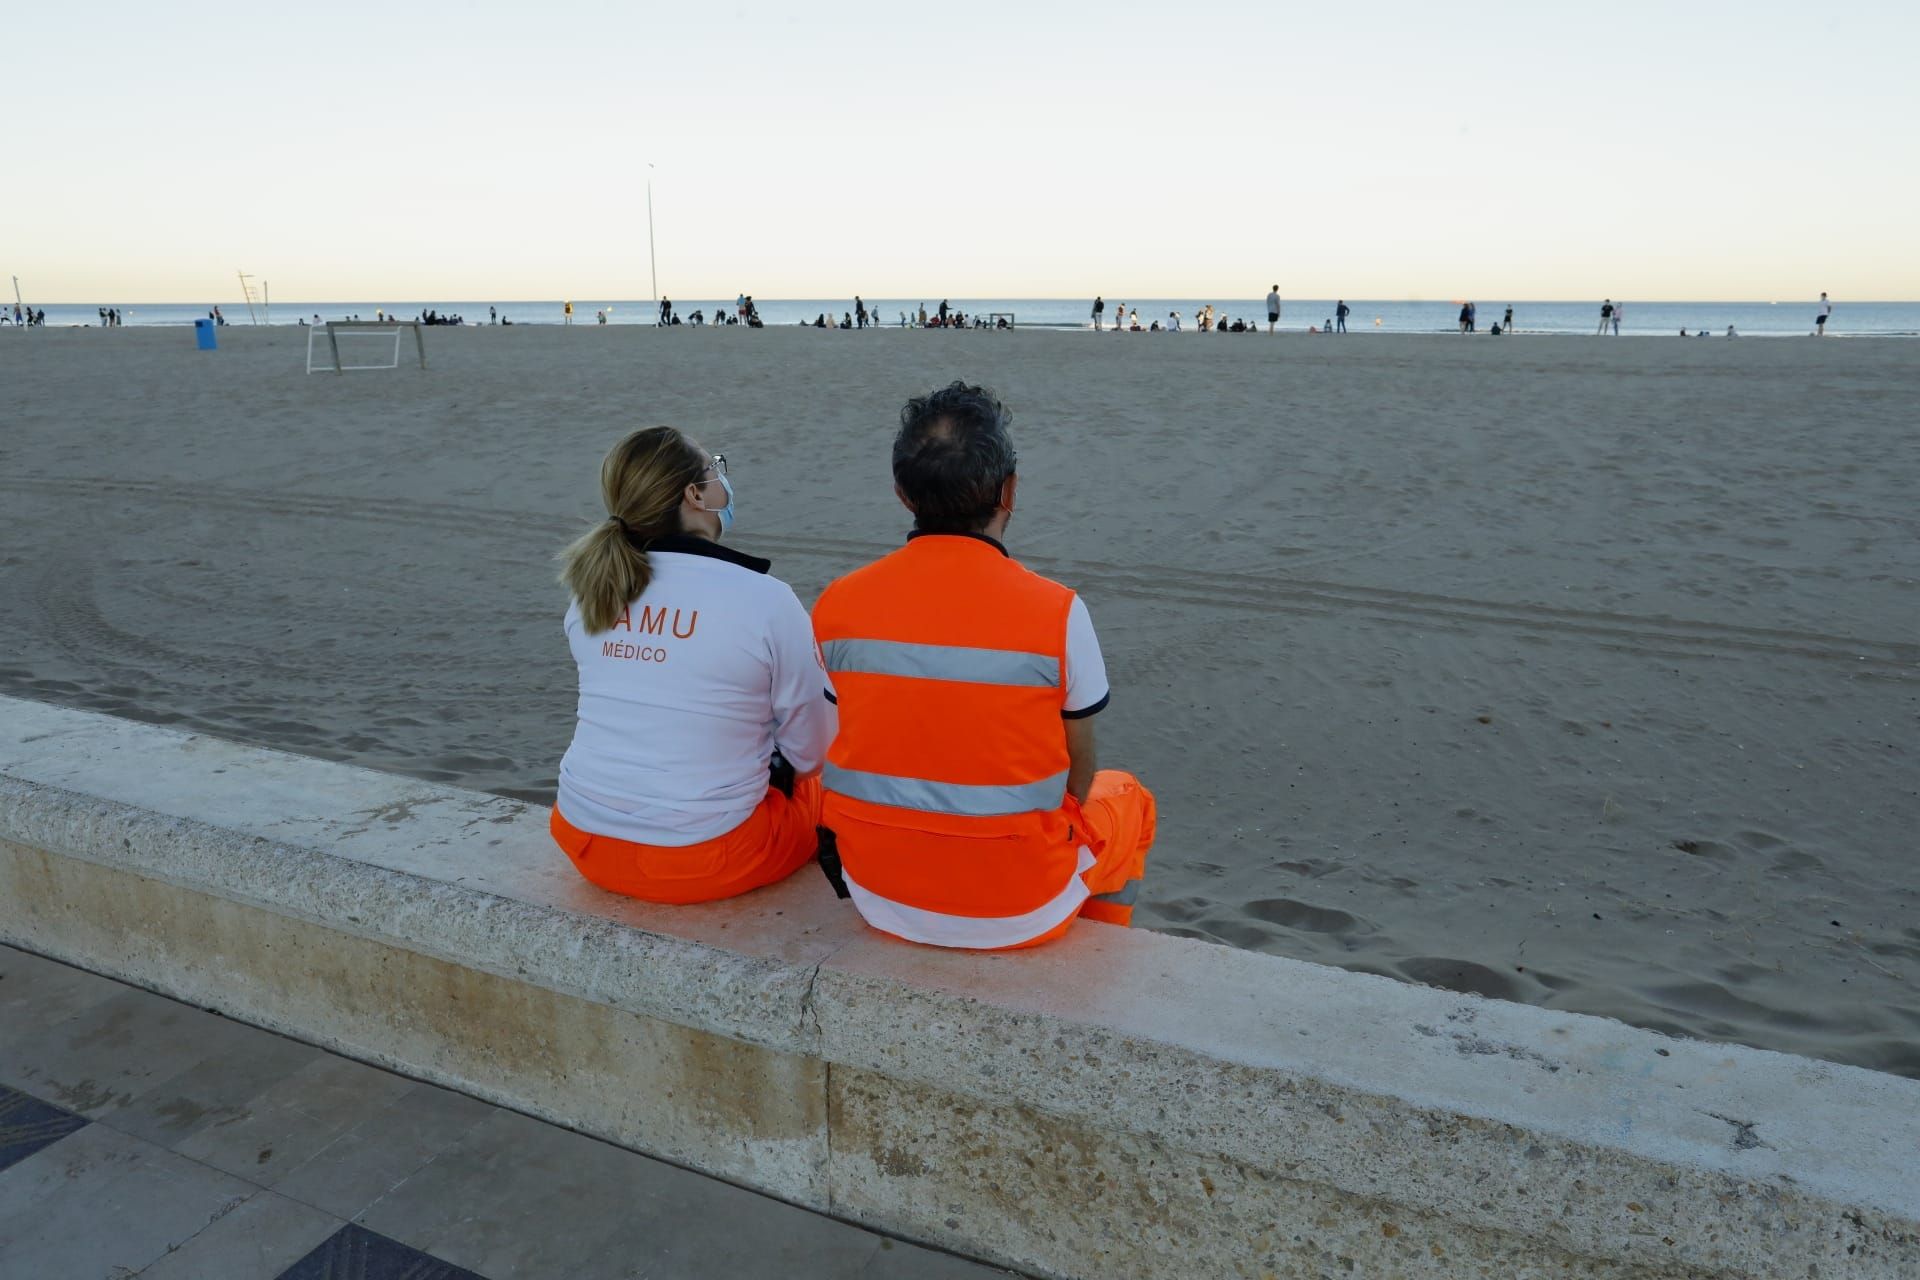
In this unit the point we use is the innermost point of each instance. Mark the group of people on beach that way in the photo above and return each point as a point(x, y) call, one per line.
point(1470, 320)
point(744, 312)
point(926, 734)
point(24, 317)
point(1205, 318)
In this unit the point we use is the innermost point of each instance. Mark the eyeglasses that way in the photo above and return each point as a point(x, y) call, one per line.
point(718, 464)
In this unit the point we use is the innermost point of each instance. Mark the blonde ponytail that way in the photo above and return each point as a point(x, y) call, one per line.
point(641, 481)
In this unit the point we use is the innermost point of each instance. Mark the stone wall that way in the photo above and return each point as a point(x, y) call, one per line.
point(1120, 1104)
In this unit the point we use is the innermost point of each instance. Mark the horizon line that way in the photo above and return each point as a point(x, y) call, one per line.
point(1159, 297)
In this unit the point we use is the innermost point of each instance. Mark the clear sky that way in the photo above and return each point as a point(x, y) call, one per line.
point(1393, 149)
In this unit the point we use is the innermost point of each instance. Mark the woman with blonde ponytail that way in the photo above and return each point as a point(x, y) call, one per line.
point(704, 716)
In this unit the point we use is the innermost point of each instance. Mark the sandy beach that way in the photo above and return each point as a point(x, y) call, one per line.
point(1580, 673)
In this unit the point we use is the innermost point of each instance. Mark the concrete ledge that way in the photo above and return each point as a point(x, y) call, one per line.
point(1123, 1104)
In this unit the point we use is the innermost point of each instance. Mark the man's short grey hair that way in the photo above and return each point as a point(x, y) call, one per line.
point(951, 457)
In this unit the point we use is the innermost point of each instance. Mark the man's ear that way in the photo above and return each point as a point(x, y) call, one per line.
point(900, 493)
point(1007, 491)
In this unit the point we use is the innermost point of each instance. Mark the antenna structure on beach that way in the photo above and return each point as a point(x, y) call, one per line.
point(246, 291)
point(16, 294)
point(653, 264)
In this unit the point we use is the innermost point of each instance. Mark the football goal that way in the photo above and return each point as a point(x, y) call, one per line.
point(340, 345)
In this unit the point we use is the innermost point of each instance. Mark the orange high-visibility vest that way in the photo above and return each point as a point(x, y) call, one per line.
point(947, 784)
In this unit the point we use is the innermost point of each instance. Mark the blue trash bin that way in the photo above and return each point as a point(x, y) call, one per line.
point(203, 335)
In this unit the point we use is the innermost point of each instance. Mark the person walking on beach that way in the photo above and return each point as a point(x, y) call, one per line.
point(859, 312)
point(963, 792)
point(693, 771)
point(1820, 317)
point(1099, 309)
point(1273, 307)
point(1606, 315)
point(666, 311)
point(568, 312)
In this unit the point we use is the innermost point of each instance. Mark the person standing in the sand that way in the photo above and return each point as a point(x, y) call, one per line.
point(1340, 314)
point(1619, 314)
point(1506, 325)
point(567, 311)
point(1820, 317)
point(1099, 310)
point(1273, 307)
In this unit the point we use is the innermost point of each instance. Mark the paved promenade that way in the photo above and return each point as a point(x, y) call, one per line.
point(141, 1137)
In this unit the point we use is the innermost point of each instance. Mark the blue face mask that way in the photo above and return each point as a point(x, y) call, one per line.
point(725, 513)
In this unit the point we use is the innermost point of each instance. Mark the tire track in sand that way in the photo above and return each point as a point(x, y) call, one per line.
point(1651, 634)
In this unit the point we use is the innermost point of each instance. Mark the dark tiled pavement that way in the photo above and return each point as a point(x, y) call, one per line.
point(140, 1137)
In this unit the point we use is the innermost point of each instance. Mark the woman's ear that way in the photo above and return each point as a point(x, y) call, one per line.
point(1007, 490)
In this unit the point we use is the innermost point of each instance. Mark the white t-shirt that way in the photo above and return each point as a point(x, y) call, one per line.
point(683, 701)
point(1273, 303)
point(1087, 690)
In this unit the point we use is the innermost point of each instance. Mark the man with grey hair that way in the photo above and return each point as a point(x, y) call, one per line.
point(963, 792)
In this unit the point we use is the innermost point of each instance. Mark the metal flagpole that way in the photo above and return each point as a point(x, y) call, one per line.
point(653, 263)
point(16, 294)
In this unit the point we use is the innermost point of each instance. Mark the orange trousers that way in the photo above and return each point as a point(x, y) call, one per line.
point(775, 841)
point(1120, 820)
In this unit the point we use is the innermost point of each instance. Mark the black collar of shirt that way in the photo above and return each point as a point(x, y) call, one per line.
point(979, 537)
point(687, 544)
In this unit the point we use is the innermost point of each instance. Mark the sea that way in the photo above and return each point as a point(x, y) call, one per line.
point(1658, 319)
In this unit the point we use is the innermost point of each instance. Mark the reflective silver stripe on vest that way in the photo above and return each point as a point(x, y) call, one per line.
point(944, 662)
point(963, 799)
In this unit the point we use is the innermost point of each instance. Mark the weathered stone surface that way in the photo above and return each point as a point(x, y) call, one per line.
point(1118, 1104)
point(1127, 1205)
point(725, 1106)
point(1582, 1133)
point(473, 878)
